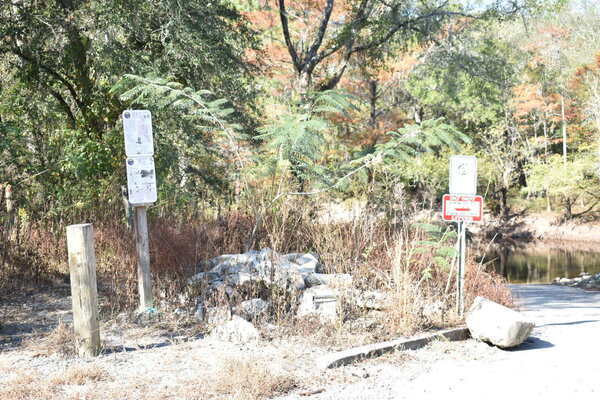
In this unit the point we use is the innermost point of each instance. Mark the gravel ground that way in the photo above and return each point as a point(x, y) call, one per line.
point(559, 358)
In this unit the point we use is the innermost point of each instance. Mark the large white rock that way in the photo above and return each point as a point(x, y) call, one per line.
point(257, 266)
point(253, 308)
point(491, 322)
point(236, 330)
point(332, 280)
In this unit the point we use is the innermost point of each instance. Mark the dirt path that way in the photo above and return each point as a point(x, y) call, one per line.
point(560, 358)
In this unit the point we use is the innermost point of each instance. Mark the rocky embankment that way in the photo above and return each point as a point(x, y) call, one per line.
point(584, 281)
point(539, 227)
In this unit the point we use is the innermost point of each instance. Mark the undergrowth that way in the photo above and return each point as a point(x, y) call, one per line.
point(413, 263)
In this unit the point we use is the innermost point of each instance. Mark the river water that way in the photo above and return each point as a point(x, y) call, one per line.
point(541, 264)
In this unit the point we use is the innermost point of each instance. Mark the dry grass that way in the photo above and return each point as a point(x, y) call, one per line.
point(80, 375)
point(244, 379)
point(25, 385)
point(61, 341)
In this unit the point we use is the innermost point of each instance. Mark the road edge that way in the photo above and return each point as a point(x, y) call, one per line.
point(348, 356)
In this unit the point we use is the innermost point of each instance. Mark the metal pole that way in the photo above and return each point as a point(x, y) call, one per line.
point(458, 290)
point(463, 256)
point(143, 250)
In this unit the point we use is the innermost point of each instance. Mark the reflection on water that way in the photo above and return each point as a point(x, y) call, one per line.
point(542, 265)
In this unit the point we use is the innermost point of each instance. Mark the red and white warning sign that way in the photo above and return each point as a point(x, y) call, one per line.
point(462, 208)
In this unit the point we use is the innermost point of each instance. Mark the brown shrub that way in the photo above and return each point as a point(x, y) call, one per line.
point(380, 254)
point(59, 341)
point(480, 282)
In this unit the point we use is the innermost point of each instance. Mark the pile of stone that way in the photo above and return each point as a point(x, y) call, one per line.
point(584, 281)
point(301, 275)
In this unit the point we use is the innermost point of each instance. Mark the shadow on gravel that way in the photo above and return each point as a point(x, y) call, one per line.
point(127, 349)
point(532, 343)
point(12, 335)
point(571, 323)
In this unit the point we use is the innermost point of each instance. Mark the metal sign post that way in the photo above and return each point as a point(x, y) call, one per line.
point(460, 276)
point(141, 191)
point(462, 206)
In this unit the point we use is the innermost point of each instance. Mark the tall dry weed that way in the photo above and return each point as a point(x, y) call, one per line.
point(380, 253)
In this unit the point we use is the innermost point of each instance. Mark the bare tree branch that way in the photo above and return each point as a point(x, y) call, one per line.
point(312, 51)
point(286, 35)
point(52, 73)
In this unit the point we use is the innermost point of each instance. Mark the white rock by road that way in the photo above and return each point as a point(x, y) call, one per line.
point(559, 360)
point(493, 323)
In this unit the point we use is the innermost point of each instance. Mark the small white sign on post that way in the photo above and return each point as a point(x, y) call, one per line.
point(462, 206)
point(463, 175)
point(141, 180)
point(141, 187)
point(137, 125)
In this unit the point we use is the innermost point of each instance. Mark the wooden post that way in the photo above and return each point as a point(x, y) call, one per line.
point(143, 250)
point(84, 295)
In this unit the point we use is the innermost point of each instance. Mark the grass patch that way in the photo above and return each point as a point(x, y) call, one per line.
point(243, 379)
point(80, 375)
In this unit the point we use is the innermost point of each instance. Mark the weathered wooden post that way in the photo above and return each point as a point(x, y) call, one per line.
point(141, 191)
point(143, 251)
point(84, 292)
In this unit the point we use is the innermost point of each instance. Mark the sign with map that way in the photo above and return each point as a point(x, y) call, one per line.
point(141, 180)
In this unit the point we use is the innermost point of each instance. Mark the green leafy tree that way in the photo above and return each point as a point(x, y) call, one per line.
point(61, 59)
point(577, 180)
point(298, 136)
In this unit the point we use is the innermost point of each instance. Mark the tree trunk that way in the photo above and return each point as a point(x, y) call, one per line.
point(504, 203)
point(373, 103)
point(568, 209)
point(11, 228)
point(564, 128)
point(303, 82)
point(545, 138)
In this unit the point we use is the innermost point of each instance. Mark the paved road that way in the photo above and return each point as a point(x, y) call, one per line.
point(561, 359)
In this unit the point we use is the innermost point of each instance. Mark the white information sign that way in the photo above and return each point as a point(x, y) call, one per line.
point(137, 125)
point(141, 180)
point(463, 175)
